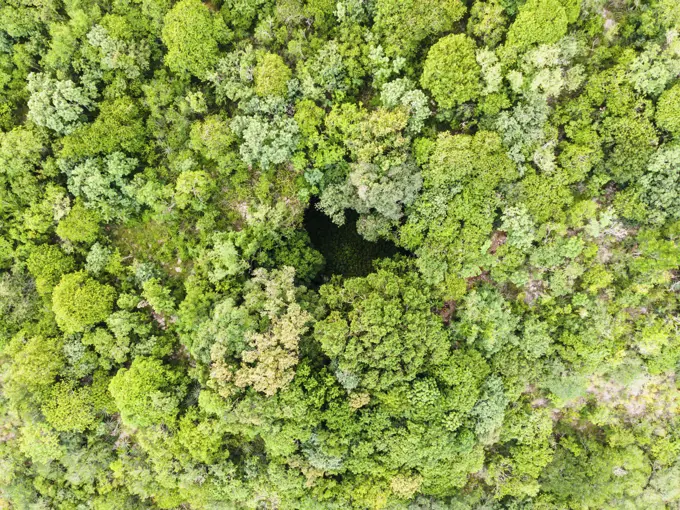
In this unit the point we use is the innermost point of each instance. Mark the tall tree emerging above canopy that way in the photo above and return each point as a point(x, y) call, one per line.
point(381, 330)
point(405, 24)
point(538, 22)
point(451, 71)
point(192, 35)
point(79, 302)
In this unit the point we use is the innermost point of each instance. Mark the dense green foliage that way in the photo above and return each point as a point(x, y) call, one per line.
point(319, 254)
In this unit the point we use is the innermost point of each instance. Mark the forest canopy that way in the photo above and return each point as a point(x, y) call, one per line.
point(320, 254)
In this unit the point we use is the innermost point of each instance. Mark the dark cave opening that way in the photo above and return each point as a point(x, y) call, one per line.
point(346, 252)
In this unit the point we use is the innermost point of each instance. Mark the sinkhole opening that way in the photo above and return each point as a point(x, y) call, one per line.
point(346, 252)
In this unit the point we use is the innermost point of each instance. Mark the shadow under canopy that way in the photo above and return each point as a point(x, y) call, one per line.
point(346, 252)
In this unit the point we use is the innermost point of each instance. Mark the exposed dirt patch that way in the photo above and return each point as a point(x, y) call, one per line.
point(447, 311)
point(497, 239)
